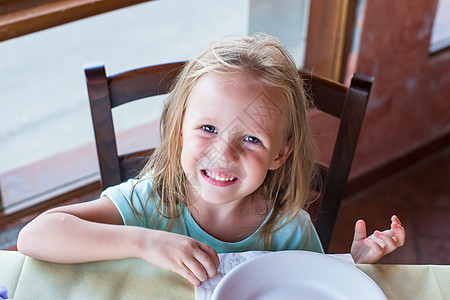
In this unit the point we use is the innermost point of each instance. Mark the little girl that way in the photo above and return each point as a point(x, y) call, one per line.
point(231, 173)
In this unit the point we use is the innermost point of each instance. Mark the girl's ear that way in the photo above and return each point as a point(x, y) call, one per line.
point(284, 153)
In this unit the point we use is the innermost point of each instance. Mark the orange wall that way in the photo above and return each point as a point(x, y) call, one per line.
point(410, 100)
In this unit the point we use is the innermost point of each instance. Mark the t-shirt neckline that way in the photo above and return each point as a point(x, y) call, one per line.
point(215, 241)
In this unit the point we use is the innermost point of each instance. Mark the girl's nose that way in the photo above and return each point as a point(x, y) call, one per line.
point(229, 150)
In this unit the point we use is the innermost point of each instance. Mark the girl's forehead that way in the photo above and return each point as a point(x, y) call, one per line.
point(238, 84)
point(241, 97)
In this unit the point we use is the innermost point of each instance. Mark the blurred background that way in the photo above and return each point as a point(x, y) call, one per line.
point(402, 164)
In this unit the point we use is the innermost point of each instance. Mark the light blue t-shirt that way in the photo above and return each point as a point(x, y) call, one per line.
point(298, 234)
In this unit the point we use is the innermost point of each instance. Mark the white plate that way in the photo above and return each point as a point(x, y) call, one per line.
point(296, 275)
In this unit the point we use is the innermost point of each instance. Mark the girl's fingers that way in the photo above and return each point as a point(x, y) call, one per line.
point(201, 264)
point(360, 231)
point(375, 247)
point(207, 262)
point(399, 233)
point(196, 268)
point(388, 240)
point(212, 254)
point(188, 274)
point(395, 219)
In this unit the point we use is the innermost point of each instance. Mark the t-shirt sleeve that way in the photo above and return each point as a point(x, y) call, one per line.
point(310, 239)
point(132, 201)
point(298, 234)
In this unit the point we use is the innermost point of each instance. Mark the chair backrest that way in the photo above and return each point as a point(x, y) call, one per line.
point(107, 92)
point(345, 103)
point(349, 105)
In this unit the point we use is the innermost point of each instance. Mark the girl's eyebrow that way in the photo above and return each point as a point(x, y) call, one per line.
point(204, 120)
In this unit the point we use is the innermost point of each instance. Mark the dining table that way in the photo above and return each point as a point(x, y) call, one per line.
point(23, 277)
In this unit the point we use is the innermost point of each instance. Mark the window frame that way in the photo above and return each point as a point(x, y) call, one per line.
point(21, 17)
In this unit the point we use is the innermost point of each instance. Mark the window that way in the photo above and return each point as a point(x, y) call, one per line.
point(440, 35)
point(44, 110)
point(285, 19)
point(46, 137)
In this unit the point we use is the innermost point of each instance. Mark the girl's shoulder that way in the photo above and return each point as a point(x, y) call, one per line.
point(298, 234)
point(301, 218)
point(134, 201)
point(300, 223)
point(133, 187)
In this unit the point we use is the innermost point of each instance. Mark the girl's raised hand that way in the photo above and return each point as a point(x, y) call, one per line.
point(371, 249)
point(183, 255)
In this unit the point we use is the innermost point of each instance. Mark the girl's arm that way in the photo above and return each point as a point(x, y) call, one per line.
point(92, 231)
point(78, 233)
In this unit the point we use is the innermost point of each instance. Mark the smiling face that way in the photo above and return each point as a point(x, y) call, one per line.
point(232, 134)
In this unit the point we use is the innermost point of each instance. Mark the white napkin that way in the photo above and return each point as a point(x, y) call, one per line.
point(230, 260)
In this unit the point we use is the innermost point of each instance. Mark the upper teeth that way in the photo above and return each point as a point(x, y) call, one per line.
point(219, 177)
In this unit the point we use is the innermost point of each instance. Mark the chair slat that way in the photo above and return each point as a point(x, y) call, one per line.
point(327, 95)
point(142, 83)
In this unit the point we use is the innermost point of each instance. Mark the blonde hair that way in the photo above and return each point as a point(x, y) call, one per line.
point(265, 58)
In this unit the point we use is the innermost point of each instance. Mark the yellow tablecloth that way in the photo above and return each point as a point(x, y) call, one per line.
point(411, 281)
point(27, 278)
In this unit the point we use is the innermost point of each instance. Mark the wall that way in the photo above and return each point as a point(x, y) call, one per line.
point(410, 100)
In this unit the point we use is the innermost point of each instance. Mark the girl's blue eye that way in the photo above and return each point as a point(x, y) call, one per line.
point(209, 128)
point(252, 139)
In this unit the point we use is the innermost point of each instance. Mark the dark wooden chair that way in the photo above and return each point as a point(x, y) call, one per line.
point(346, 103)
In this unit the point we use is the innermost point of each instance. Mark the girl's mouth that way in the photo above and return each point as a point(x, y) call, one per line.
point(219, 178)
